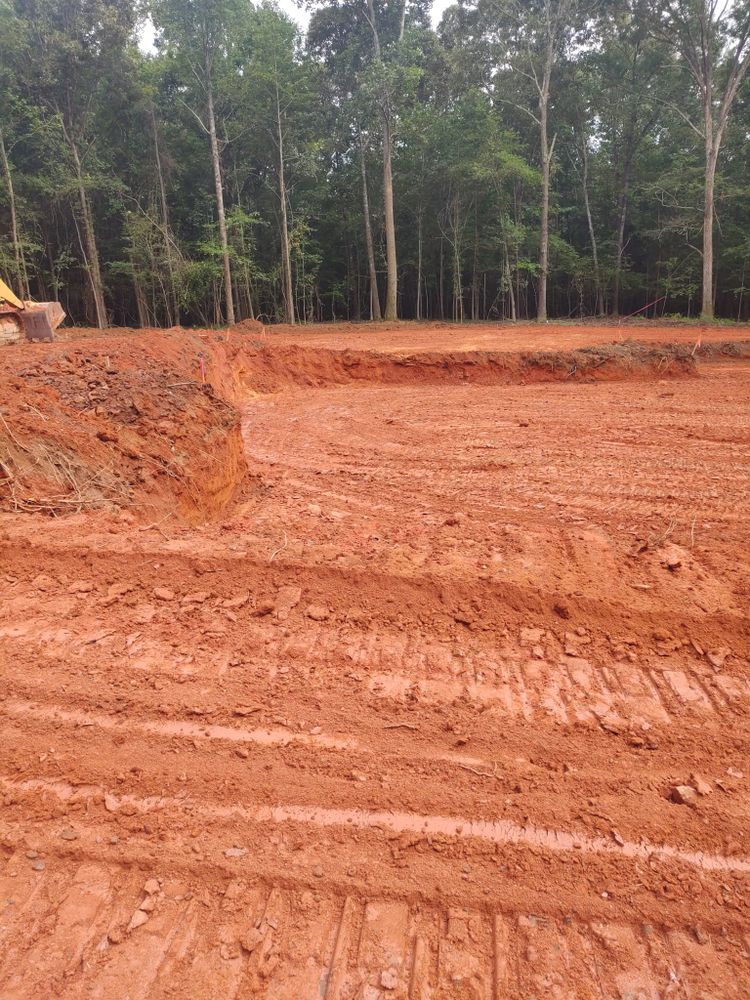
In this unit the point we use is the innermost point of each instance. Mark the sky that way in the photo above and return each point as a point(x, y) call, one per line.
point(303, 16)
point(298, 14)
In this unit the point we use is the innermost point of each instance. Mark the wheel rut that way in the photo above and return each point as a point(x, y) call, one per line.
point(450, 702)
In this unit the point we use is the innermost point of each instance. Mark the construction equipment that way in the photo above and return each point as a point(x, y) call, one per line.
point(27, 320)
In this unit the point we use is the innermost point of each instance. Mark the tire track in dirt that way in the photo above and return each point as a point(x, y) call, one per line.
point(406, 721)
point(288, 944)
point(499, 832)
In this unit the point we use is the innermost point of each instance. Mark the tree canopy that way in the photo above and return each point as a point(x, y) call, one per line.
point(523, 158)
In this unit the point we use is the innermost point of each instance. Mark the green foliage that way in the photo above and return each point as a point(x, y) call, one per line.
point(460, 104)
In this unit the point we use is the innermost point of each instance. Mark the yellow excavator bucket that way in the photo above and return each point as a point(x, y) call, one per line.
point(6, 295)
point(29, 320)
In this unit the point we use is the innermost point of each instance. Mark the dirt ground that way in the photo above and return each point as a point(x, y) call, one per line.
point(401, 663)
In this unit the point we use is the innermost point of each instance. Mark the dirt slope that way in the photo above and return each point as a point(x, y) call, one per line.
point(405, 718)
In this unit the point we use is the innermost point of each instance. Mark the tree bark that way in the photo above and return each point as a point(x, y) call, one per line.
point(93, 268)
point(541, 313)
point(173, 305)
point(712, 155)
point(286, 259)
point(419, 264)
point(391, 294)
point(374, 294)
point(599, 306)
point(21, 273)
point(219, 187)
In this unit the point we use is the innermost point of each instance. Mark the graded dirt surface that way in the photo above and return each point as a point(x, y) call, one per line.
point(440, 693)
point(401, 337)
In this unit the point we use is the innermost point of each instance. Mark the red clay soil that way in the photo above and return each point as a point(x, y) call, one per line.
point(443, 695)
point(442, 337)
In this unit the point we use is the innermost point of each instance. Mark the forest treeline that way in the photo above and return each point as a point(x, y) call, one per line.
point(526, 158)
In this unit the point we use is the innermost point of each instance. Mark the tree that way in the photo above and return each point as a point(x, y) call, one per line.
point(713, 39)
point(68, 53)
point(200, 34)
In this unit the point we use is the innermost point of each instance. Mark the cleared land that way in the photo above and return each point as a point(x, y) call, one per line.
point(371, 670)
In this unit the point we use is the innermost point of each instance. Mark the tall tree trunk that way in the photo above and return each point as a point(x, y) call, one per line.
point(419, 263)
point(374, 294)
point(140, 301)
point(620, 249)
point(21, 273)
point(712, 155)
point(441, 292)
point(599, 306)
point(509, 280)
point(172, 301)
point(286, 259)
point(219, 187)
point(93, 268)
point(391, 293)
point(541, 312)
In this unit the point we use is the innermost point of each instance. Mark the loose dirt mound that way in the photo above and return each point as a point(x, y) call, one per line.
point(116, 422)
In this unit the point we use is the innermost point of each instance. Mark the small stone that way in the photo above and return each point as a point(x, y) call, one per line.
point(389, 979)
point(163, 594)
point(684, 795)
point(32, 855)
point(234, 603)
point(138, 919)
point(235, 852)
point(115, 935)
point(317, 613)
point(716, 657)
point(69, 834)
point(315, 509)
point(229, 951)
point(318, 871)
point(110, 802)
point(250, 941)
point(672, 562)
point(242, 752)
point(38, 865)
point(531, 636)
point(151, 887)
point(701, 786)
point(700, 935)
point(454, 519)
point(287, 598)
point(316, 731)
point(264, 608)
point(148, 905)
point(81, 587)
point(734, 773)
point(199, 597)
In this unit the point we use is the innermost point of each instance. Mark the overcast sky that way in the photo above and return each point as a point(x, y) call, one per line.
point(300, 15)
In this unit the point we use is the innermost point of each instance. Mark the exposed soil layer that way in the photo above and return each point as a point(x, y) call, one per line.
point(446, 697)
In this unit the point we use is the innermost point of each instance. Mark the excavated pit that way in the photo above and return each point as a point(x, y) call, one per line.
point(371, 670)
